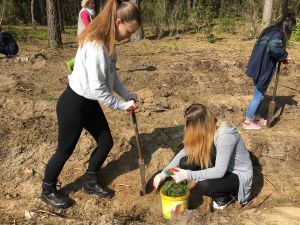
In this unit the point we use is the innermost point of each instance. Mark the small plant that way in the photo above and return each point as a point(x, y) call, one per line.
point(146, 46)
point(175, 46)
point(172, 189)
point(211, 38)
point(162, 48)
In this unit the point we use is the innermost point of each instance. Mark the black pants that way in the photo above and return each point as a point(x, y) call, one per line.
point(74, 113)
point(221, 187)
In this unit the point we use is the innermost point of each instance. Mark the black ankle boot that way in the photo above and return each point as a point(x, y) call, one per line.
point(51, 196)
point(92, 186)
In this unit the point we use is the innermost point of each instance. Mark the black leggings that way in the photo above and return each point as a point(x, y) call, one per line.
point(74, 113)
point(221, 187)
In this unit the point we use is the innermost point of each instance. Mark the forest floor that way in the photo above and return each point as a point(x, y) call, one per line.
point(168, 75)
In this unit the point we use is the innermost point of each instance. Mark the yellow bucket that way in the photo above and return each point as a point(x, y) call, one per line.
point(172, 206)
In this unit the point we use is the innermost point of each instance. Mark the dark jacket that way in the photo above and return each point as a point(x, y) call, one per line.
point(267, 51)
point(8, 45)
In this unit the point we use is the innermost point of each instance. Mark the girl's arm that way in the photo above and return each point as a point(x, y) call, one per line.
point(85, 17)
point(175, 161)
point(225, 144)
point(118, 86)
point(120, 89)
point(97, 66)
point(277, 50)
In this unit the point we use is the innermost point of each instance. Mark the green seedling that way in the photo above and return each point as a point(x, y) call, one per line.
point(173, 189)
point(168, 172)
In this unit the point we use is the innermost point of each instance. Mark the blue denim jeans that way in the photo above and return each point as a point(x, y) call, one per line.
point(254, 107)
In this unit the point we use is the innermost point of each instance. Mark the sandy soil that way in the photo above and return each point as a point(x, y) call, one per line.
point(168, 75)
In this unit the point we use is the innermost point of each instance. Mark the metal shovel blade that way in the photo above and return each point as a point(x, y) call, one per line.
point(271, 110)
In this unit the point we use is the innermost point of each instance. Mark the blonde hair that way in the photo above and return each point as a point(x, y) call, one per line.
point(199, 133)
point(85, 3)
point(102, 29)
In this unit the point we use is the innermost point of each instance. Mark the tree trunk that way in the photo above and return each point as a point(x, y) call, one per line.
point(297, 9)
point(284, 7)
point(189, 5)
point(216, 5)
point(33, 22)
point(2, 12)
point(99, 4)
point(42, 7)
point(194, 3)
point(267, 16)
point(60, 15)
point(253, 18)
point(139, 35)
point(54, 34)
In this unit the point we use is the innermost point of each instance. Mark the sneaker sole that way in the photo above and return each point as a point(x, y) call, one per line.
point(251, 128)
point(216, 206)
point(96, 193)
point(55, 206)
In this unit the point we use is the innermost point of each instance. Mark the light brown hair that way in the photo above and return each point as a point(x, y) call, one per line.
point(199, 134)
point(102, 29)
point(85, 3)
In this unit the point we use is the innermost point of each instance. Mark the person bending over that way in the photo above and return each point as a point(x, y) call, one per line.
point(92, 81)
point(214, 156)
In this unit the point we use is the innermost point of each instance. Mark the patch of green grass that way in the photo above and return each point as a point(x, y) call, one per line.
point(296, 33)
point(51, 98)
point(27, 33)
point(162, 48)
point(175, 46)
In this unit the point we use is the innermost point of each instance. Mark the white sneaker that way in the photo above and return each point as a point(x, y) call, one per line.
point(221, 202)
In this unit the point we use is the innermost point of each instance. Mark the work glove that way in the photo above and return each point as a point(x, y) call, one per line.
point(158, 179)
point(130, 106)
point(131, 96)
point(179, 175)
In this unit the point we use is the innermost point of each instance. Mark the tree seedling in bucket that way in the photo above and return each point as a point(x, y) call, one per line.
point(174, 197)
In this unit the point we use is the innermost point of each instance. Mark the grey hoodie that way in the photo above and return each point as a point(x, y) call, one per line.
point(231, 155)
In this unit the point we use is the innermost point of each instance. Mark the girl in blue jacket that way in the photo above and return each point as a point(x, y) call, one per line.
point(269, 49)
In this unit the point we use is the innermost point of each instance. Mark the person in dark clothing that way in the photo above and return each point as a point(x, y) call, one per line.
point(269, 49)
point(8, 45)
point(92, 81)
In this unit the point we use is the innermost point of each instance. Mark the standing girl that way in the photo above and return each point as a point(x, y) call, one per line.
point(86, 14)
point(269, 49)
point(92, 82)
point(214, 156)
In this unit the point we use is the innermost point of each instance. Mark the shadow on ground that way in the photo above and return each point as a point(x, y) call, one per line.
point(281, 102)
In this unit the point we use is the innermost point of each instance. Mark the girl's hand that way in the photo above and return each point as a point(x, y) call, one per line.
point(130, 105)
point(286, 61)
point(158, 179)
point(179, 175)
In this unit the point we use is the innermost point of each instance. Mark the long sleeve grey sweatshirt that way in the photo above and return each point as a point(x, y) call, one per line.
point(231, 155)
point(95, 77)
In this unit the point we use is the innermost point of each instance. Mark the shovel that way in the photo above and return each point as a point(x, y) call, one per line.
point(141, 160)
point(272, 103)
